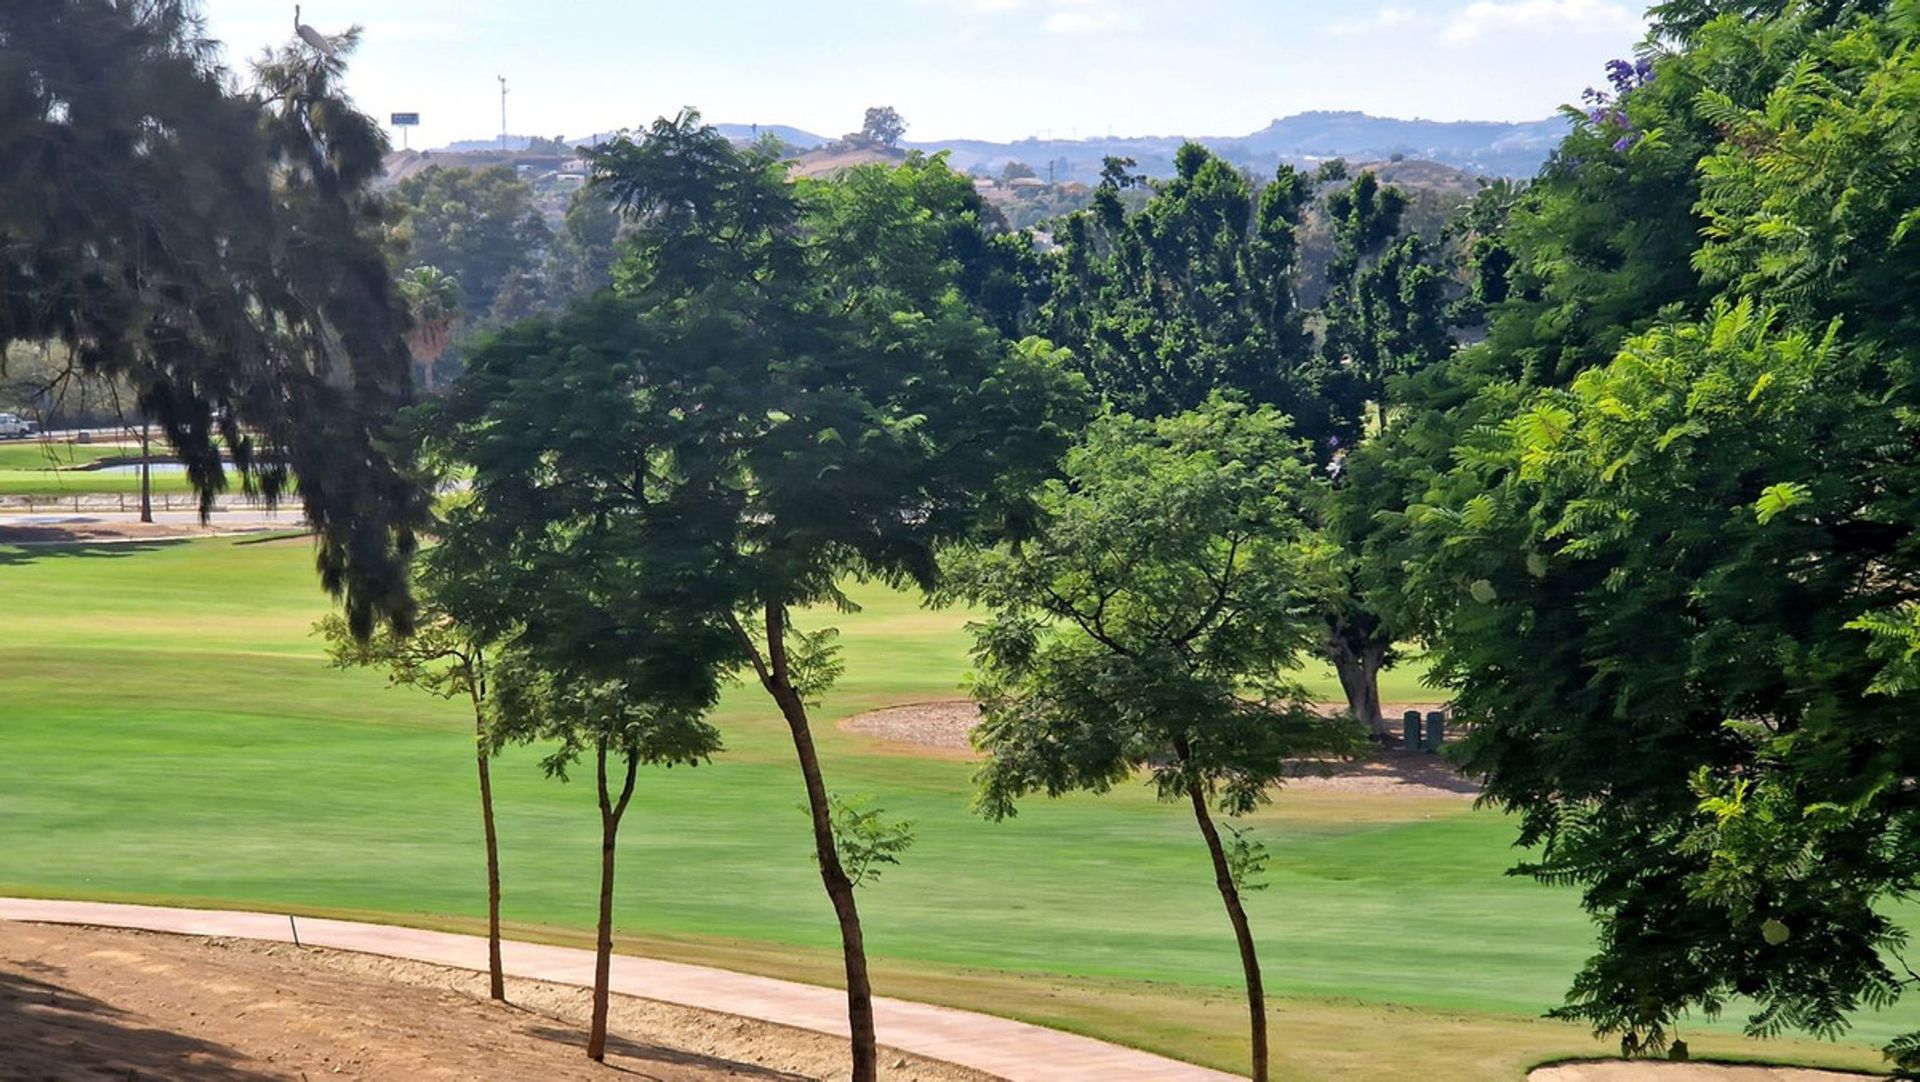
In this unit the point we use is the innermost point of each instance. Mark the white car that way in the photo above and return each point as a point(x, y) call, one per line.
point(16, 428)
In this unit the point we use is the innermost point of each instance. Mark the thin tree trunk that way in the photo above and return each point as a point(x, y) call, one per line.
point(774, 675)
point(146, 471)
point(1242, 931)
point(610, 812)
point(496, 977)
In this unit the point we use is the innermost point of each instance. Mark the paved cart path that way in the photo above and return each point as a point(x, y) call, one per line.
point(1013, 1050)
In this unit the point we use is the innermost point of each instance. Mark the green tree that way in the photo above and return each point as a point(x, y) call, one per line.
point(883, 126)
point(1602, 240)
point(863, 410)
point(1385, 311)
point(615, 720)
point(433, 300)
point(1154, 624)
point(580, 260)
point(1706, 544)
point(1682, 539)
point(591, 551)
point(219, 253)
point(1385, 315)
point(1192, 295)
point(442, 659)
point(477, 225)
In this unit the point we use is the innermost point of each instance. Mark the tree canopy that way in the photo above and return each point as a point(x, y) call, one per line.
point(477, 225)
point(787, 385)
point(219, 252)
point(883, 125)
point(1192, 295)
point(1155, 624)
point(1671, 568)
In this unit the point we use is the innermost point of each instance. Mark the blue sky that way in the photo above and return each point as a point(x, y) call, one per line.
point(999, 69)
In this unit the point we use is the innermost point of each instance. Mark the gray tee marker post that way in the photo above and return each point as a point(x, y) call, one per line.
point(1436, 730)
point(1410, 731)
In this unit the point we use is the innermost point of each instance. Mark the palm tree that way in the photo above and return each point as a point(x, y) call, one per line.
point(433, 300)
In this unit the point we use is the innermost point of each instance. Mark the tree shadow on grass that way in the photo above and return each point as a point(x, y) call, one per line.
point(50, 1031)
point(23, 546)
point(653, 1054)
point(1403, 772)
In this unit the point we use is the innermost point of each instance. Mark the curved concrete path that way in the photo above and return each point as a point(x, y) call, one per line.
point(1012, 1050)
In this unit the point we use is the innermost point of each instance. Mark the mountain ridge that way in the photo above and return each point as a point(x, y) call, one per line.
point(1490, 147)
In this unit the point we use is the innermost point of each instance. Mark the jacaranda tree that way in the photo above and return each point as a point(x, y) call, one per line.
point(1154, 623)
point(786, 387)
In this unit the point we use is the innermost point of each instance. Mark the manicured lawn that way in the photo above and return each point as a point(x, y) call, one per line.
point(58, 483)
point(33, 468)
point(170, 732)
point(34, 454)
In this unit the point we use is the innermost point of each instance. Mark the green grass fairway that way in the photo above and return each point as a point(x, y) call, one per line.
point(169, 732)
point(60, 483)
point(50, 470)
point(35, 454)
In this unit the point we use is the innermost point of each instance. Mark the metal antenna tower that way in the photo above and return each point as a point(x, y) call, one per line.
point(503, 111)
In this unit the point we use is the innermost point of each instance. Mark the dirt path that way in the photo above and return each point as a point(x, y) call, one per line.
point(91, 1002)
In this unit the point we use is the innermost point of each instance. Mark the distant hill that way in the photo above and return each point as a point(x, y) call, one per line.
point(1482, 147)
point(825, 160)
point(796, 138)
point(1489, 148)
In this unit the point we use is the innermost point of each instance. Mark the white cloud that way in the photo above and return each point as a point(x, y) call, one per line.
point(1484, 17)
point(1084, 20)
point(1387, 18)
point(1057, 16)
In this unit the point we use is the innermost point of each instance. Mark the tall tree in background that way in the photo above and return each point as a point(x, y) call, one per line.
point(433, 300)
point(477, 225)
point(864, 410)
point(1385, 307)
point(580, 260)
point(1154, 623)
point(1192, 295)
point(883, 126)
point(219, 252)
point(1384, 315)
point(444, 660)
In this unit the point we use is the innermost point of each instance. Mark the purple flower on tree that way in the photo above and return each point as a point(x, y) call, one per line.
point(1606, 108)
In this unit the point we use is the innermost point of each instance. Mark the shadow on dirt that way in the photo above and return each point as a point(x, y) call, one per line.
point(645, 1054)
point(50, 1031)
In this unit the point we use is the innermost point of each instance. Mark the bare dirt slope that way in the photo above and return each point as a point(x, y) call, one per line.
point(89, 1003)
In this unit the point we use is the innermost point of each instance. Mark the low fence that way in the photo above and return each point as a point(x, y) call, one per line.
point(129, 502)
